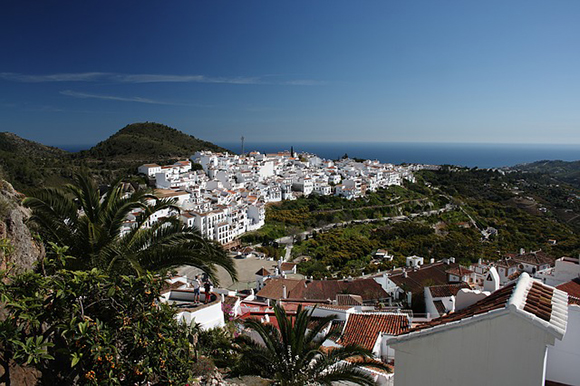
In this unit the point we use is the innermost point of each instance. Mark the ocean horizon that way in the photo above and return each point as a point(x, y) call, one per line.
point(481, 155)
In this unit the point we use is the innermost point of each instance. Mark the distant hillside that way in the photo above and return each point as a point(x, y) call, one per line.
point(27, 163)
point(10, 142)
point(564, 171)
point(147, 142)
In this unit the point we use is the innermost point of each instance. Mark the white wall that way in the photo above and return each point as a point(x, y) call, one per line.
point(209, 317)
point(504, 350)
point(466, 297)
point(564, 357)
point(386, 351)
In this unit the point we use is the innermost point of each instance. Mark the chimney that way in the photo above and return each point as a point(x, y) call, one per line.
point(522, 251)
point(284, 292)
point(431, 261)
point(405, 273)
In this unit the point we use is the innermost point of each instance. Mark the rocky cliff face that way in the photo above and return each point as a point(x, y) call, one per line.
point(19, 251)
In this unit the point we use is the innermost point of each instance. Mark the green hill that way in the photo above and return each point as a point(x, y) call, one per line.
point(148, 142)
point(10, 142)
point(27, 163)
point(562, 170)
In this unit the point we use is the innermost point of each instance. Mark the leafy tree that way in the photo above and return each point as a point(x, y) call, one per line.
point(90, 328)
point(292, 355)
point(91, 224)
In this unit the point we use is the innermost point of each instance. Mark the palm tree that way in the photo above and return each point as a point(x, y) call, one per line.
point(91, 224)
point(291, 355)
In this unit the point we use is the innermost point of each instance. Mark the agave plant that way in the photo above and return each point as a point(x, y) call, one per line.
point(91, 224)
point(292, 354)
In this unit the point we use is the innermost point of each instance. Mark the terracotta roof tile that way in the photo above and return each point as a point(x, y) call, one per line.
point(537, 258)
point(287, 266)
point(572, 288)
point(322, 290)
point(527, 295)
point(539, 301)
point(364, 329)
point(495, 301)
point(263, 272)
point(348, 300)
point(427, 274)
point(459, 271)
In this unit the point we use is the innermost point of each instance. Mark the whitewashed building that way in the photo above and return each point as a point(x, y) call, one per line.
point(500, 340)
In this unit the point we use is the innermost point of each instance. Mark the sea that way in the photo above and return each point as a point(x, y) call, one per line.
point(481, 155)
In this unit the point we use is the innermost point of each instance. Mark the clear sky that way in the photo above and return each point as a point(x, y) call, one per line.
point(75, 72)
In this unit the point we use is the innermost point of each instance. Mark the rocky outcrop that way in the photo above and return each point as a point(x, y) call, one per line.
point(19, 251)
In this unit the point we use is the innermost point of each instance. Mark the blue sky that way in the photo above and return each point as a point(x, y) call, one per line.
point(75, 72)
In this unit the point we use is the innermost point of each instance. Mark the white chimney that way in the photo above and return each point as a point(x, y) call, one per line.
point(431, 260)
point(491, 282)
point(284, 293)
point(522, 251)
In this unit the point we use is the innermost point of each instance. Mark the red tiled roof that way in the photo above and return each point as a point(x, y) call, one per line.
point(428, 274)
point(495, 301)
point(459, 271)
point(536, 258)
point(364, 329)
point(531, 297)
point(263, 272)
point(447, 290)
point(539, 301)
point(273, 288)
point(322, 290)
point(572, 288)
point(287, 266)
point(348, 300)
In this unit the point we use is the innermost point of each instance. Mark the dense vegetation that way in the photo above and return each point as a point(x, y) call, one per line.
point(564, 171)
point(146, 142)
point(26, 163)
point(306, 213)
point(89, 328)
point(527, 210)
